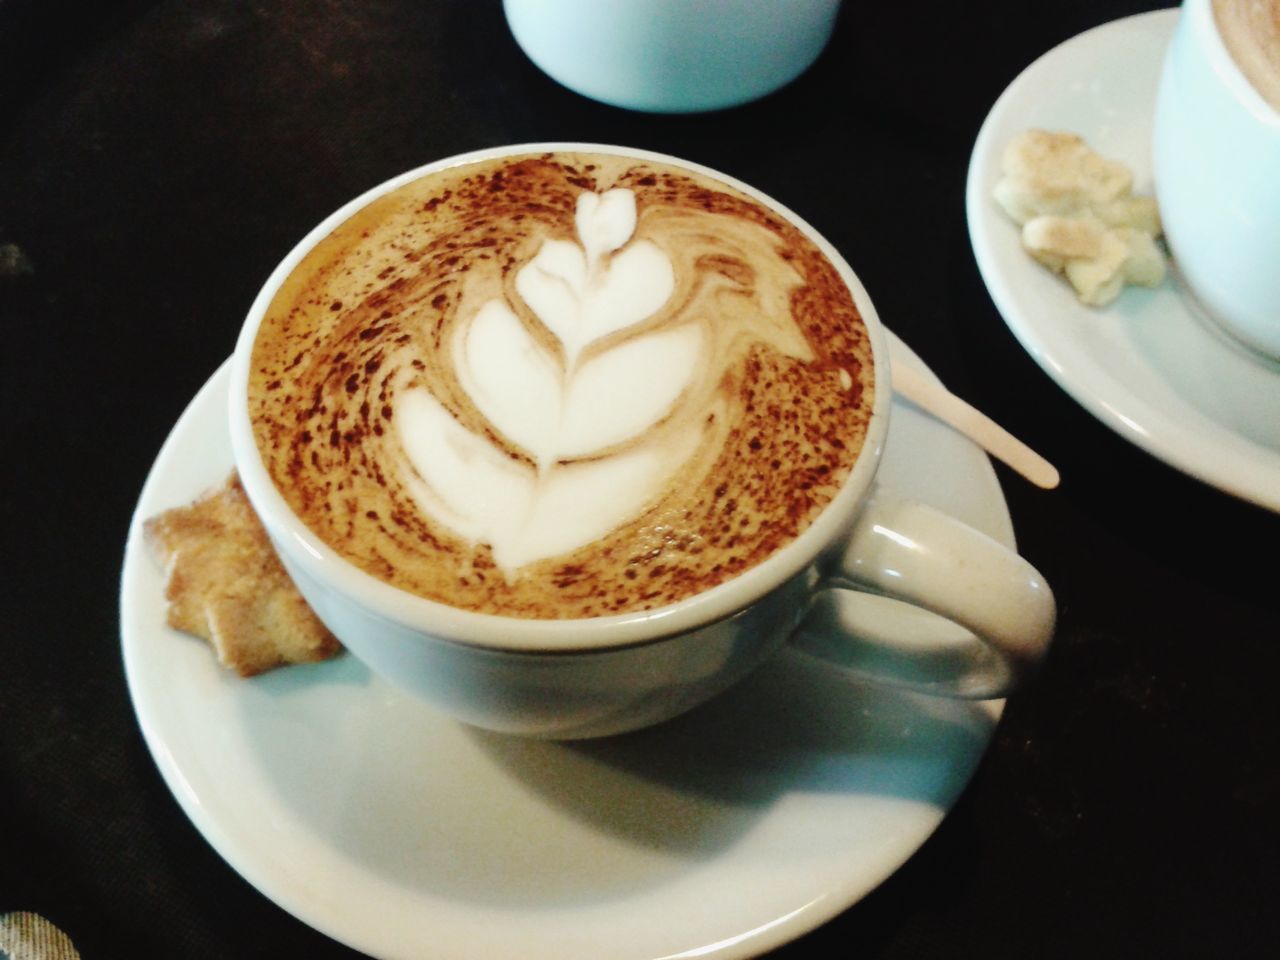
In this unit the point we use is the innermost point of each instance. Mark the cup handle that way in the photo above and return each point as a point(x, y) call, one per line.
point(879, 607)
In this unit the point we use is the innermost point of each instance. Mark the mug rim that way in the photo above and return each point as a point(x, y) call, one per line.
point(1203, 19)
point(436, 619)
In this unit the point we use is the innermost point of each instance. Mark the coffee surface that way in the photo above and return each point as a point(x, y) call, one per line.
point(561, 386)
point(1250, 29)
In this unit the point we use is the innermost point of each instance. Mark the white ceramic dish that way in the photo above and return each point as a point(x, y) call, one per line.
point(402, 833)
point(1148, 366)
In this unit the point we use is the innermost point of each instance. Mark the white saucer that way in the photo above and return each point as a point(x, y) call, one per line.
point(401, 833)
point(1147, 366)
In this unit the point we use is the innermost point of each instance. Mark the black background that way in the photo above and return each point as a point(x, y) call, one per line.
point(158, 159)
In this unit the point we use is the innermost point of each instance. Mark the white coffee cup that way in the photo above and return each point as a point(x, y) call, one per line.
point(1217, 176)
point(672, 56)
point(590, 677)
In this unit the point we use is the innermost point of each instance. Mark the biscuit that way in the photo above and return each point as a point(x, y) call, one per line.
point(1047, 173)
point(1079, 217)
point(1098, 260)
point(226, 585)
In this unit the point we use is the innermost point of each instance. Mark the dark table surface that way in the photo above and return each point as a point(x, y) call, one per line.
point(157, 160)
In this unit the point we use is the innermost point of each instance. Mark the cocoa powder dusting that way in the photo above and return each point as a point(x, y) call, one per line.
point(368, 314)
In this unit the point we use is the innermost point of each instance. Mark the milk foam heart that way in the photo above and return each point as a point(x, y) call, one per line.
point(561, 385)
point(579, 296)
point(554, 408)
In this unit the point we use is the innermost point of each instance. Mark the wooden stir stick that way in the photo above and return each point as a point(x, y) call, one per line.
point(940, 402)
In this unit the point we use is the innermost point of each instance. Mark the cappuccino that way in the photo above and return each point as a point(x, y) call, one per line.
point(1250, 30)
point(561, 385)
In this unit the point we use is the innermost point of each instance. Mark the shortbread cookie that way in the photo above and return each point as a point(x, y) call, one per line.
point(1079, 215)
point(226, 585)
point(1098, 260)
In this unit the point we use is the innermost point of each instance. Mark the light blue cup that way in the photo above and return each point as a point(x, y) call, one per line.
point(672, 56)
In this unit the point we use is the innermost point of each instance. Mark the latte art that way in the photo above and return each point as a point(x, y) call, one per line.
point(561, 386)
point(567, 417)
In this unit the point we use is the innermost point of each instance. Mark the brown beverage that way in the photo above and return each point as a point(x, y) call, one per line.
point(1250, 29)
point(561, 385)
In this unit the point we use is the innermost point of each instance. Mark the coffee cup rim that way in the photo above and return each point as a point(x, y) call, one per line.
point(1225, 66)
point(442, 621)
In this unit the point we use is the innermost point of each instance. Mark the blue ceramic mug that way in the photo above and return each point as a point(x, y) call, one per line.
point(672, 56)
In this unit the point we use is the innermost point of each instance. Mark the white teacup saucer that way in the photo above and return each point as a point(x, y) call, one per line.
point(1148, 366)
point(402, 833)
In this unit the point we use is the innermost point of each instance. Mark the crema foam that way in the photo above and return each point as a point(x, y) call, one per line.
point(1250, 29)
point(561, 386)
